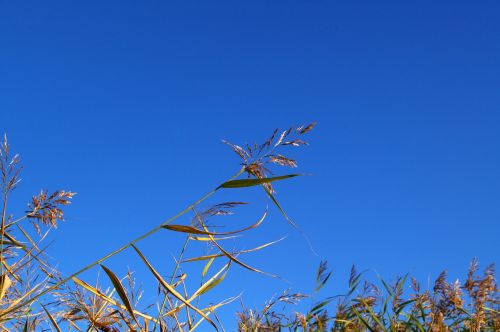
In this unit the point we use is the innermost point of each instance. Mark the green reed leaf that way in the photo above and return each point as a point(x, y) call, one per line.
point(254, 182)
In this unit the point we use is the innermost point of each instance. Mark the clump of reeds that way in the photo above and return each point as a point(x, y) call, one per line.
point(367, 306)
point(35, 296)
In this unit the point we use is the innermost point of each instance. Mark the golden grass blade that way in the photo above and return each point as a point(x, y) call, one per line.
point(234, 259)
point(106, 298)
point(187, 229)
point(170, 289)
point(227, 254)
point(209, 284)
point(207, 239)
point(193, 230)
point(201, 258)
point(5, 283)
point(254, 182)
point(52, 320)
point(205, 269)
point(346, 322)
point(212, 282)
point(121, 291)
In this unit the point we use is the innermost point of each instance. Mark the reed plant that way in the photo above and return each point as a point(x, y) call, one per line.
point(389, 307)
point(35, 296)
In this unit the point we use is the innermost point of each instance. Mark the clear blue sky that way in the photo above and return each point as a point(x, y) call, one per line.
point(125, 102)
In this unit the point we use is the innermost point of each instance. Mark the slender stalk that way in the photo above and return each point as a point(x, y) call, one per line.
point(178, 263)
point(13, 222)
point(117, 251)
point(176, 268)
point(4, 211)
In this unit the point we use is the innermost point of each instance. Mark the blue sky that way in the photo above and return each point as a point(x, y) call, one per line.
point(126, 103)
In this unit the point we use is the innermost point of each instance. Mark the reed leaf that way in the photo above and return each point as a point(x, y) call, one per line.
point(206, 267)
point(5, 283)
point(194, 230)
point(120, 290)
point(212, 256)
point(242, 183)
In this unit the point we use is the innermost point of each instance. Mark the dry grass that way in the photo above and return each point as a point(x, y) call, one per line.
point(448, 306)
point(35, 296)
